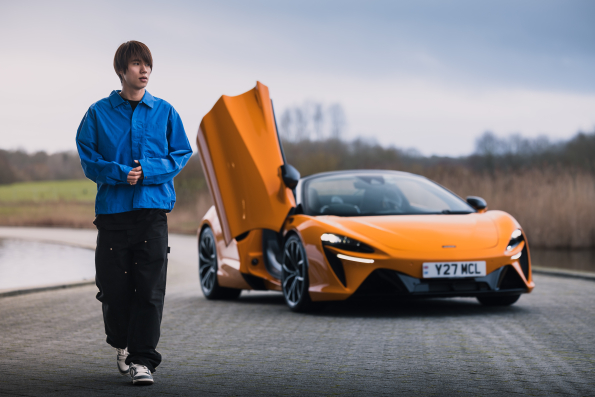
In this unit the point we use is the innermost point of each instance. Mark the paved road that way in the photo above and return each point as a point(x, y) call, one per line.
point(52, 343)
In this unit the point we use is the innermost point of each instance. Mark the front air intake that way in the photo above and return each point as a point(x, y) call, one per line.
point(336, 265)
point(510, 279)
point(524, 262)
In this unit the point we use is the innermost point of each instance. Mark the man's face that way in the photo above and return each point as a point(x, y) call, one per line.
point(137, 75)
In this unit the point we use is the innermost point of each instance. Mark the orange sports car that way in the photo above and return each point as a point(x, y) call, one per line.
point(336, 235)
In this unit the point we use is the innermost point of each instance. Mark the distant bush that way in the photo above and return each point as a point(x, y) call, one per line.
point(516, 152)
point(20, 166)
point(492, 154)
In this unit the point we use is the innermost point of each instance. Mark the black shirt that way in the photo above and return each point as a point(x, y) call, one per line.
point(132, 103)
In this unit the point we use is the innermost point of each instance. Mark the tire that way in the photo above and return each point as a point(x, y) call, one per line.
point(294, 276)
point(207, 269)
point(505, 300)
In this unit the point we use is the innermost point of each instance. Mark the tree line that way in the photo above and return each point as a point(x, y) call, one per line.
point(20, 166)
point(327, 151)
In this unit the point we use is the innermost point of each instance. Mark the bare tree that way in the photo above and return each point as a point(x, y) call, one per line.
point(312, 120)
point(338, 120)
point(286, 124)
point(318, 120)
point(301, 124)
point(488, 144)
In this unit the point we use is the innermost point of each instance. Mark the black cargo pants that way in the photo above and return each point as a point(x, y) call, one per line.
point(131, 270)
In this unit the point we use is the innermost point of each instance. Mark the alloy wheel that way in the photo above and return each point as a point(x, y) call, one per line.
point(294, 268)
point(207, 262)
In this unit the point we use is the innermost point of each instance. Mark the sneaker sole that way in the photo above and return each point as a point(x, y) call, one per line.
point(143, 382)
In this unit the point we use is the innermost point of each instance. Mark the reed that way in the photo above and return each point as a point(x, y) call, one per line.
point(188, 212)
point(555, 207)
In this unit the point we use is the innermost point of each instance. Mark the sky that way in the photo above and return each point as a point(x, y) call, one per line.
point(424, 74)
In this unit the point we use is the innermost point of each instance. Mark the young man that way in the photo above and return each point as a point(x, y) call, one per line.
point(132, 145)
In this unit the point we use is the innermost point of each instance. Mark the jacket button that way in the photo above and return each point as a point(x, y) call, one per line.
point(111, 249)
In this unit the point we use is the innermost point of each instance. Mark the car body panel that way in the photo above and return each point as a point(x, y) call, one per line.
point(237, 260)
point(426, 232)
point(244, 177)
point(325, 285)
point(251, 254)
point(228, 263)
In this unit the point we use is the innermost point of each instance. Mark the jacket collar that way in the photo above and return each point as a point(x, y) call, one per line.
point(116, 100)
point(148, 99)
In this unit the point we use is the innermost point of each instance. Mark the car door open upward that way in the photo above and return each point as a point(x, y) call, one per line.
point(243, 161)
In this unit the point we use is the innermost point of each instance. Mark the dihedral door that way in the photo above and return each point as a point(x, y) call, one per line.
point(242, 158)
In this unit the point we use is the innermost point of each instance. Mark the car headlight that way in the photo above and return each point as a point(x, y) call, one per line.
point(344, 243)
point(515, 239)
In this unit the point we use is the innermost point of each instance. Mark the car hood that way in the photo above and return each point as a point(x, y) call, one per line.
point(425, 232)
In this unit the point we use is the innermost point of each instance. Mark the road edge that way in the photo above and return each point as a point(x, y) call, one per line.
point(564, 273)
point(31, 290)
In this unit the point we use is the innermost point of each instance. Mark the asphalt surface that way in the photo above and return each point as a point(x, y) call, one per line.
point(52, 343)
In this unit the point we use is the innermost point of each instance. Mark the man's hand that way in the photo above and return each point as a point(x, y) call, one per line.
point(135, 174)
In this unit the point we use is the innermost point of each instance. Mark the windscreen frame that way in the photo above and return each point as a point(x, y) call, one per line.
point(305, 184)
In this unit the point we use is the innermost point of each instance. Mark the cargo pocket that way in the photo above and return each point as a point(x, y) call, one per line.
point(112, 264)
point(105, 256)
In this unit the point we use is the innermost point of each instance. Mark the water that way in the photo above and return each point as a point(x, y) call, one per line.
point(29, 263)
point(578, 260)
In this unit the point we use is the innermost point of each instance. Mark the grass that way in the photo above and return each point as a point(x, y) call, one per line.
point(71, 203)
point(54, 214)
point(78, 190)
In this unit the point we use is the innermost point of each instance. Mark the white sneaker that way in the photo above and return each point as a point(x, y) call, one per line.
point(140, 375)
point(121, 360)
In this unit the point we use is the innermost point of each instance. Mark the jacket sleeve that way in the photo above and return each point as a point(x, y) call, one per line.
point(158, 170)
point(94, 166)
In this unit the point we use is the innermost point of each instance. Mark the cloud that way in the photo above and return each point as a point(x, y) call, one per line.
point(424, 74)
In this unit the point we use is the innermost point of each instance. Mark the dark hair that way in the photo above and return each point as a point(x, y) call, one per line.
point(128, 51)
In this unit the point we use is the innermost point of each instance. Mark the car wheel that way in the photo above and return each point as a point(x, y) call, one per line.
point(207, 269)
point(506, 300)
point(294, 280)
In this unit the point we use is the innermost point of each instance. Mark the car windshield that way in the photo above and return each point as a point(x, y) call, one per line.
point(379, 194)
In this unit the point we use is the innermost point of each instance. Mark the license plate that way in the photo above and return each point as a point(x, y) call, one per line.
point(454, 269)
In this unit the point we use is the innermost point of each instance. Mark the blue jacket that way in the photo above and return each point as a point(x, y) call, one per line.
point(109, 139)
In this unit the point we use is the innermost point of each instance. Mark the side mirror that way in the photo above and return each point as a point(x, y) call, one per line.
point(290, 176)
point(477, 203)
